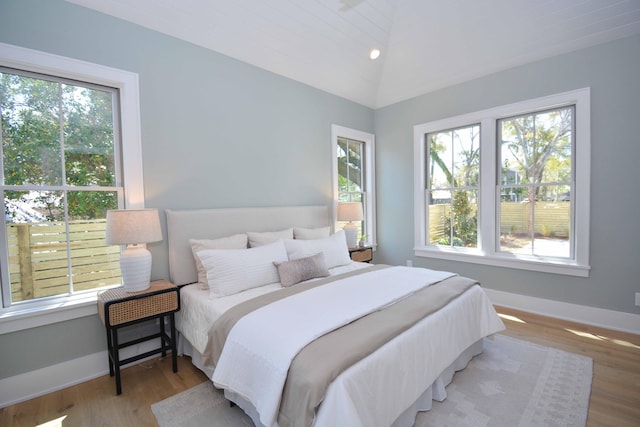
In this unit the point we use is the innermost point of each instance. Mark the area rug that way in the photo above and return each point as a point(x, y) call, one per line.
point(512, 383)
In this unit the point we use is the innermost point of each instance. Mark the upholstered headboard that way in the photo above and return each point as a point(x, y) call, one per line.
point(183, 225)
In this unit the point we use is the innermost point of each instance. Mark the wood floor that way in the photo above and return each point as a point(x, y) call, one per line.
point(615, 392)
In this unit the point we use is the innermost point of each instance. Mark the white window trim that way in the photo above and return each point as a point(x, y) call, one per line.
point(26, 316)
point(370, 175)
point(487, 214)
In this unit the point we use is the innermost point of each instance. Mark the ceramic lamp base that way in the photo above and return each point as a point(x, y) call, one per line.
point(351, 233)
point(135, 265)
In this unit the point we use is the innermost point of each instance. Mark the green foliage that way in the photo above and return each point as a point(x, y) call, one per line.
point(464, 222)
point(56, 134)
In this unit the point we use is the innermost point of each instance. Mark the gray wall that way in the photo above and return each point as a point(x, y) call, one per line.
point(613, 73)
point(219, 133)
point(216, 133)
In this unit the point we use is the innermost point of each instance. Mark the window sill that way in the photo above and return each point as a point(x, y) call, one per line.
point(532, 264)
point(33, 317)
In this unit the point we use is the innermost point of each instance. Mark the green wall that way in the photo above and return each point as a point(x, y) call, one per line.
point(612, 71)
point(216, 132)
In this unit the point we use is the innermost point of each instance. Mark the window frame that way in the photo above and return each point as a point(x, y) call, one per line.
point(37, 313)
point(488, 210)
point(368, 139)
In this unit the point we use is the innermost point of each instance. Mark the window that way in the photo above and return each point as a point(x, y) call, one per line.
point(452, 188)
point(503, 186)
point(70, 140)
point(353, 175)
point(536, 181)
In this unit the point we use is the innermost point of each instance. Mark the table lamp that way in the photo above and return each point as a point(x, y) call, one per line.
point(134, 228)
point(350, 211)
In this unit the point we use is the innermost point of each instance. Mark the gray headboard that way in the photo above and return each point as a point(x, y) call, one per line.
point(183, 225)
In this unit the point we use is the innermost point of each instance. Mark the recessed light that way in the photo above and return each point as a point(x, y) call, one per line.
point(375, 53)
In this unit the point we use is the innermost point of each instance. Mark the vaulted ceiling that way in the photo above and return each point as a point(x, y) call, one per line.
point(425, 44)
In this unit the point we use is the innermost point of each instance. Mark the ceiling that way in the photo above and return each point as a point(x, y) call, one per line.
point(425, 44)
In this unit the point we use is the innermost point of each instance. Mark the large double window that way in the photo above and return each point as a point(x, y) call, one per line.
point(63, 165)
point(507, 186)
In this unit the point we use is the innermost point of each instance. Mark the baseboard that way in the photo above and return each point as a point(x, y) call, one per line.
point(39, 382)
point(616, 320)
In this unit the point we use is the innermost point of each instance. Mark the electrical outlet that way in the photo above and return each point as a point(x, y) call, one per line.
point(638, 298)
point(410, 264)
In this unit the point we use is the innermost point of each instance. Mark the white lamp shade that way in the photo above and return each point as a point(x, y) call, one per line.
point(126, 226)
point(133, 227)
point(350, 211)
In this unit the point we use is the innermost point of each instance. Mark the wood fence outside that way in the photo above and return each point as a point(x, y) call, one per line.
point(551, 219)
point(39, 265)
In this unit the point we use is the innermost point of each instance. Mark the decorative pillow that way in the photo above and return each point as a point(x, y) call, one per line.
point(311, 233)
point(237, 241)
point(258, 239)
point(333, 247)
point(298, 270)
point(230, 271)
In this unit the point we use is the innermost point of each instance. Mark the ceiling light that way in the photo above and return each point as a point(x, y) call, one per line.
point(375, 53)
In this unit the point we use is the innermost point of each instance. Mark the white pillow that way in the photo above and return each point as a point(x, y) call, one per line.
point(230, 271)
point(334, 249)
point(237, 241)
point(311, 233)
point(258, 239)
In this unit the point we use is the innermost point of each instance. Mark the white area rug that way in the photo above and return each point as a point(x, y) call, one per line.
point(512, 383)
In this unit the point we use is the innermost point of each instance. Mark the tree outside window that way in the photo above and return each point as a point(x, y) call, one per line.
point(452, 187)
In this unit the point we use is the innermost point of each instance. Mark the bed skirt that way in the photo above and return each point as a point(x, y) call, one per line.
point(436, 391)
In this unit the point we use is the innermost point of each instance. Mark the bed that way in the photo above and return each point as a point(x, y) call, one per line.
point(382, 382)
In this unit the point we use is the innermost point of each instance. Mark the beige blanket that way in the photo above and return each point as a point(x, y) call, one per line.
point(320, 362)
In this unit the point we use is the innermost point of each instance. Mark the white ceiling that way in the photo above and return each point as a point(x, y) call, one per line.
point(425, 44)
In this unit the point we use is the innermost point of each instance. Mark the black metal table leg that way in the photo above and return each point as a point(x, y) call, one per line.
point(174, 346)
point(116, 361)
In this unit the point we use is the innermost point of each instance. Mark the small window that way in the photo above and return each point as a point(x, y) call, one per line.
point(354, 176)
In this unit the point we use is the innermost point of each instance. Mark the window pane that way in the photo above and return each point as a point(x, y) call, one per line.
point(542, 228)
point(36, 245)
point(350, 165)
point(31, 147)
point(454, 170)
point(41, 249)
point(440, 160)
point(94, 264)
point(439, 216)
point(89, 136)
point(466, 149)
point(536, 183)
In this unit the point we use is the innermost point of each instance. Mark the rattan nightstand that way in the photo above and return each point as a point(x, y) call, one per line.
point(363, 254)
point(118, 308)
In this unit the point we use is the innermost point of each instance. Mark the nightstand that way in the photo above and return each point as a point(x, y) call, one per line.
point(363, 254)
point(118, 309)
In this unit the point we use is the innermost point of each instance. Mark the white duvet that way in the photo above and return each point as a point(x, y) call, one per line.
point(265, 357)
